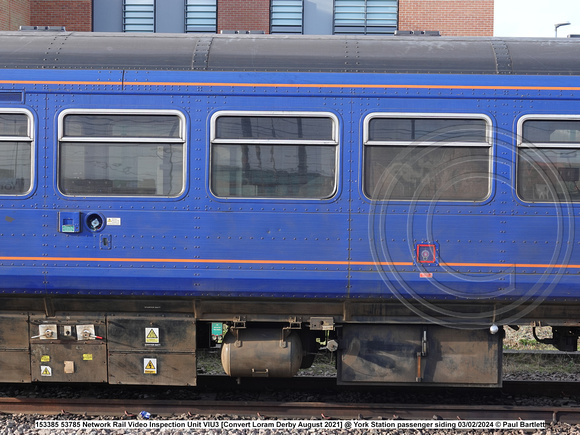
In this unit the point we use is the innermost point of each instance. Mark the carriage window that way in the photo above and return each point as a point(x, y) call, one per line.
point(549, 159)
point(121, 154)
point(16, 144)
point(427, 158)
point(274, 156)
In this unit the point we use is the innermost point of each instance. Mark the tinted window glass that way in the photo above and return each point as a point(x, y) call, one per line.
point(121, 169)
point(279, 171)
point(13, 124)
point(122, 126)
point(122, 155)
point(426, 158)
point(549, 160)
point(15, 167)
point(551, 131)
point(15, 155)
point(274, 157)
point(404, 129)
point(281, 128)
point(427, 173)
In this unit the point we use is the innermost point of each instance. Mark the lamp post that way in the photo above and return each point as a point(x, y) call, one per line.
point(567, 23)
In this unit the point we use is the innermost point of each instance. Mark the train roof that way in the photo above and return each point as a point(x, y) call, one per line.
point(303, 53)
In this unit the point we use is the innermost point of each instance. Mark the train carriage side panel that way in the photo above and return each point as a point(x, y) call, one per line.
point(478, 250)
point(404, 205)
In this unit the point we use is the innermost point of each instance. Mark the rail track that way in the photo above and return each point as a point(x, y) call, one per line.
point(323, 410)
point(254, 400)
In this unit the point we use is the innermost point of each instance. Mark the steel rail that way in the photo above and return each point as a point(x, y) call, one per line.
point(253, 399)
point(121, 408)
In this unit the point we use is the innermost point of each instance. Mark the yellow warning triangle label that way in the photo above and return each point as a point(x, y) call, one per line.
point(150, 366)
point(46, 372)
point(152, 334)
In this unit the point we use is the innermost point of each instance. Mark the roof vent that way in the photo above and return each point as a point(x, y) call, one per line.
point(43, 28)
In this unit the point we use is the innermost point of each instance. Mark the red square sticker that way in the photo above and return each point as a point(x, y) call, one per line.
point(426, 253)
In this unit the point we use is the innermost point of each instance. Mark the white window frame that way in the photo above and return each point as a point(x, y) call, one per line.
point(181, 139)
point(488, 143)
point(28, 138)
point(522, 144)
point(335, 141)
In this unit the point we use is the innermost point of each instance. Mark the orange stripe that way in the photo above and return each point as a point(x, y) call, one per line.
point(54, 82)
point(569, 266)
point(298, 262)
point(359, 86)
point(202, 261)
point(294, 85)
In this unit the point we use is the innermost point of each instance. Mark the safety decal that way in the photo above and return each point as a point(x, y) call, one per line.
point(87, 356)
point(152, 335)
point(45, 358)
point(150, 366)
point(45, 371)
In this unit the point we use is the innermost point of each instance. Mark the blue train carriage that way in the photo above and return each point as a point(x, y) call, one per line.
point(399, 200)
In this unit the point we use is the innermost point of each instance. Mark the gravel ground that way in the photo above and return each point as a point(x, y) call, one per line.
point(24, 424)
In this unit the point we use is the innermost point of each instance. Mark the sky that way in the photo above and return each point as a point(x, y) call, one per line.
point(536, 17)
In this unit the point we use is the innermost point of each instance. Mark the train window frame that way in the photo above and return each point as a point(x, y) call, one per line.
point(28, 137)
point(334, 142)
point(541, 192)
point(179, 139)
point(422, 143)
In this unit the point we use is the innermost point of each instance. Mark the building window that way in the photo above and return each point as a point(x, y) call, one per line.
point(549, 159)
point(287, 16)
point(16, 152)
point(139, 15)
point(365, 16)
point(274, 155)
point(201, 16)
point(427, 157)
point(108, 153)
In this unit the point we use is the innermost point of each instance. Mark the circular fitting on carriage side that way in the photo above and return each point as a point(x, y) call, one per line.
point(95, 222)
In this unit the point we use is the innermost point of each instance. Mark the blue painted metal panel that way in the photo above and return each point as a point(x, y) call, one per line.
point(200, 245)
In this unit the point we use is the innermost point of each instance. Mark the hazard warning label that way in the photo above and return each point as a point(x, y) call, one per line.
point(150, 366)
point(152, 335)
point(45, 371)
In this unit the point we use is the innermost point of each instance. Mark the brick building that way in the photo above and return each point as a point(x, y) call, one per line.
point(450, 17)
